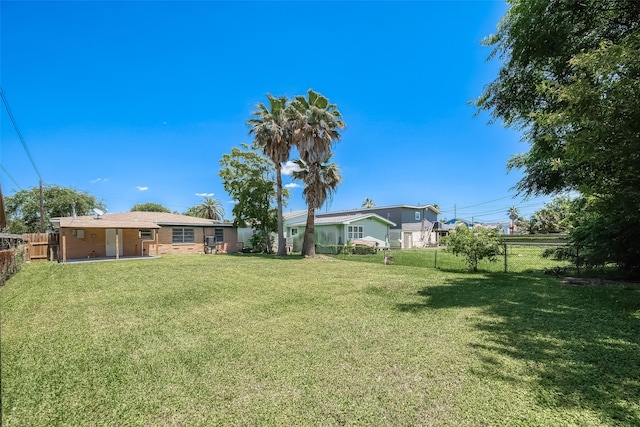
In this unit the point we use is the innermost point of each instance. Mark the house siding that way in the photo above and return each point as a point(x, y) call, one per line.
point(94, 242)
point(166, 245)
point(372, 228)
point(337, 234)
point(328, 234)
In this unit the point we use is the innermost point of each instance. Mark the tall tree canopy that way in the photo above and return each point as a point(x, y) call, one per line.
point(210, 208)
point(316, 125)
point(248, 177)
point(23, 208)
point(272, 133)
point(570, 81)
point(556, 216)
point(149, 207)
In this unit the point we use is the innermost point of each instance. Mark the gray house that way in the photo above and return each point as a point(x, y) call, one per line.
point(398, 226)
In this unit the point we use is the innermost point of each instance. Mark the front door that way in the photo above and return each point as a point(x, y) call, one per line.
point(408, 240)
point(111, 241)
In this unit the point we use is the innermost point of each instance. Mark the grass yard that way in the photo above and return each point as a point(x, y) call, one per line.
point(255, 340)
point(520, 259)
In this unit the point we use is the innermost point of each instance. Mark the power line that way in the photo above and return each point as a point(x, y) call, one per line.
point(10, 177)
point(15, 126)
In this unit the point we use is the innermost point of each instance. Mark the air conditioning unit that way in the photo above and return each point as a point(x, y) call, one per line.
point(210, 241)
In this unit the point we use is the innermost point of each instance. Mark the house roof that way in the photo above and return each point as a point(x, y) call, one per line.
point(344, 219)
point(293, 214)
point(414, 207)
point(135, 220)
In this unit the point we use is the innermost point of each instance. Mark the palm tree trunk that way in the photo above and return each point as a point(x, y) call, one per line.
point(309, 244)
point(282, 249)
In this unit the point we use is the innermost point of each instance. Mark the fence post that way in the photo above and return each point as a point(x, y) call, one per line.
point(504, 246)
point(435, 259)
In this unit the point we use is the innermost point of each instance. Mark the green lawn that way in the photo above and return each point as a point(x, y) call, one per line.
point(255, 340)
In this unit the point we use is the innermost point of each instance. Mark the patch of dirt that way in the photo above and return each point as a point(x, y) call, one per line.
point(322, 258)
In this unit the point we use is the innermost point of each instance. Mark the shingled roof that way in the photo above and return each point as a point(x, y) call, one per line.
point(345, 219)
point(148, 220)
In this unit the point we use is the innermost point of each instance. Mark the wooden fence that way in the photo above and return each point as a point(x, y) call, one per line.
point(42, 246)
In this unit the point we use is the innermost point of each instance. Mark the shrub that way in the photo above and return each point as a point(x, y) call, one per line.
point(474, 244)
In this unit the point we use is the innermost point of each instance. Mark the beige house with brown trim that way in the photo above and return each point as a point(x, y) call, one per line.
point(131, 234)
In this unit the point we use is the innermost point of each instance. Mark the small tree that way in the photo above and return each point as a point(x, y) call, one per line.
point(368, 203)
point(514, 214)
point(474, 244)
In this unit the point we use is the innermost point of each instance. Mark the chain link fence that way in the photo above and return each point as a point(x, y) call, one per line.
point(548, 258)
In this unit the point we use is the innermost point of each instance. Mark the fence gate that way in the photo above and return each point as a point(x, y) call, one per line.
point(42, 246)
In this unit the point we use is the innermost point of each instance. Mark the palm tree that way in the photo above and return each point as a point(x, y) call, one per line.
point(271, 131)
point(315, 124)
point(321, 181)
point(514, 214)
point(211, 209)
point(368, 203)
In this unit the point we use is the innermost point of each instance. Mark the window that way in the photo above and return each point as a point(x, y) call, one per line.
point(417, 215)
point(146, 235)
point(183, 235)
point(294, 231)
point(355, 232)
point(219, 235)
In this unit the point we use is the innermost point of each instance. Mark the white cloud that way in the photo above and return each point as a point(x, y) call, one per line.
point(204, 194)
point(142, 188)
point(289, 168)
point(93, 181)
point(292, 185)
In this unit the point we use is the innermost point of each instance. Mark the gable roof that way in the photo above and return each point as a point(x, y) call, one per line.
point(344, 219)
point(413, 207)
point(136, 220)
point(293, 214)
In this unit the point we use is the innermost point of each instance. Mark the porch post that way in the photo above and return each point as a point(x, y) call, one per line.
point(157, 240)
point(64, 249)
point(117, 245)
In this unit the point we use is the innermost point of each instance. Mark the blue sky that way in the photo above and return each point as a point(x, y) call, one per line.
point(137, 102)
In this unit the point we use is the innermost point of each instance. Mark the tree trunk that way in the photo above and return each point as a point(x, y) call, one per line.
point(282, 248)
point(309, 243)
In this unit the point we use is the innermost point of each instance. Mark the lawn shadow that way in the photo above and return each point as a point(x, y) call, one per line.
point(581, 344)
point(260, 255)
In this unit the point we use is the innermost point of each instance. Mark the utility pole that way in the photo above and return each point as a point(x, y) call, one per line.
point(41, 207)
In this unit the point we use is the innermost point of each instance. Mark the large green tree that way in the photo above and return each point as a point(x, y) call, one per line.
point(149, 207)
point(316, 125)
point(272, 133)
point(23, 208)
point(248, 177)
point(570, 81)
point(556, 216)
